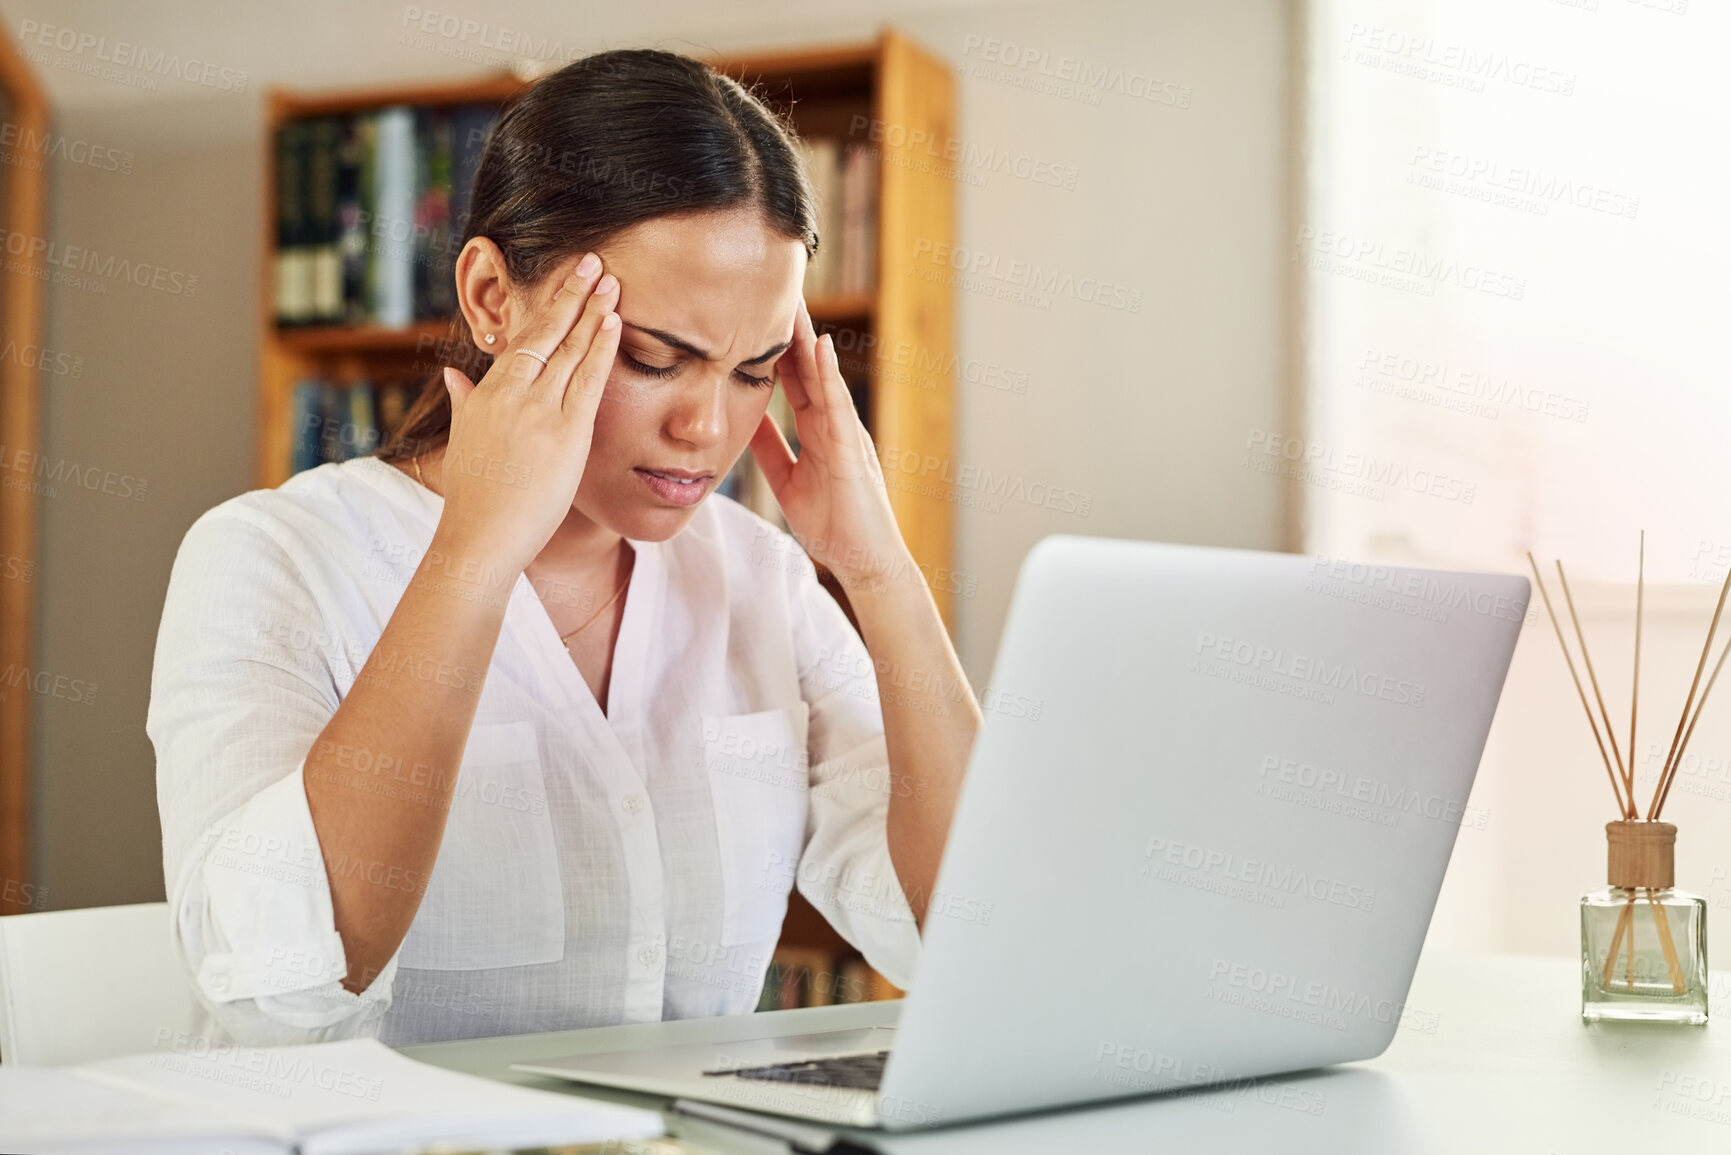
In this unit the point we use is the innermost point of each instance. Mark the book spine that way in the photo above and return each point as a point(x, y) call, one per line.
point(435, 217)
point(419, 240)
point(331, 422)
point(821, 983)
point(859, 195)
point(367, 150)
point(870, 163)
point(394, 263)
point(470, 125)
point(856, 981)
point(833, 222)
point(822, 271)
point(351, 224)
point(323, 229)
point(304, 453)
point(770, 998)
point(363, 420)
point(852, 209)
point(393, 404)
point(292, 289)
point(813, 977)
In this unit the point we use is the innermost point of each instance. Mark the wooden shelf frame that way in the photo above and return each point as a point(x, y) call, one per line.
point(23, 204)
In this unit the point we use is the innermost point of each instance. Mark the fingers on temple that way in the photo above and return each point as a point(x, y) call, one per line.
point(575, 342)
point(802, 384)
point(547, 332)
point(589, 377)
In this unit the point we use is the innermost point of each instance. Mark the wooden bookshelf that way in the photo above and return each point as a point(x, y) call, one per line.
point(24, 104)
point(910, 410)
point(909, 406)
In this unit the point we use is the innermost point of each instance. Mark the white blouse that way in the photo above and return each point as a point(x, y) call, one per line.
point(595, 869)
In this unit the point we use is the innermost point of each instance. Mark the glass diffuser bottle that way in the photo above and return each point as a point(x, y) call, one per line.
point(1643, 942)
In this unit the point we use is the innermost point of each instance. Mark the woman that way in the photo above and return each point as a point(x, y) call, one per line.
point(513, 726)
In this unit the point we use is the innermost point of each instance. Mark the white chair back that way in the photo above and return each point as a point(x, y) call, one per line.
point(78, 985)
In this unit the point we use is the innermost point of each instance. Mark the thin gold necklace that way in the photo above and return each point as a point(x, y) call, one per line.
point(565, 638)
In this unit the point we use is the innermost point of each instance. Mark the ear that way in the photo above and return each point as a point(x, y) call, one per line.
point(483, 290)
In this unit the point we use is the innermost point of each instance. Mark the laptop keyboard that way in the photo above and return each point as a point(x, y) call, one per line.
point(860, 1072)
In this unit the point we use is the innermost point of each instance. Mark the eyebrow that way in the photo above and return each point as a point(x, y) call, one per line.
point(685, 346)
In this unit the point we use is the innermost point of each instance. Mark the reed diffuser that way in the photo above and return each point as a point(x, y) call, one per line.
point(1643, 941)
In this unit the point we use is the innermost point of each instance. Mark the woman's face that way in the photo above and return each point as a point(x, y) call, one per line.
point(707, 303)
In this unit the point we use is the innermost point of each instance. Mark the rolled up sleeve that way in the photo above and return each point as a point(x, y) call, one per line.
point(241, 686)
point(845, 870)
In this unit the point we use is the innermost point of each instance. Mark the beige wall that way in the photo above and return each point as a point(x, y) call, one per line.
point(165, 396)
point(1142, 413)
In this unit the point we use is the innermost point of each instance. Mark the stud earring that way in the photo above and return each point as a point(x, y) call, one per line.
point(489, 338)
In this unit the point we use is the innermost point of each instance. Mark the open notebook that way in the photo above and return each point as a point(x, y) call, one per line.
point(356, 1097)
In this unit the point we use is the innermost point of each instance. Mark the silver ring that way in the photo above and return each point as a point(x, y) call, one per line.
point(534, 354)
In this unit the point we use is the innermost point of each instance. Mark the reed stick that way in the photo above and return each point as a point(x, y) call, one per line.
point(1635, 678)
point(1624, 923)
point(1665, 940)
point(1706, 647)
point(1663, 790)
point(1593, 679)
point(1629, 971)
point(1623, 808)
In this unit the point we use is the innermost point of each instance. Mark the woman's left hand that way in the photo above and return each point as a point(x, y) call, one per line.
point(833, 494)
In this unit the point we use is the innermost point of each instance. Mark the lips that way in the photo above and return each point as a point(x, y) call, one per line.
point(676, 486)
point(679, 474)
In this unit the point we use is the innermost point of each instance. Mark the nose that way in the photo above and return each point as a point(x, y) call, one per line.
point(699, 414)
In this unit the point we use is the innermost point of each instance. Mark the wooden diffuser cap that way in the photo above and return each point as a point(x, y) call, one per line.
point(1641, 854)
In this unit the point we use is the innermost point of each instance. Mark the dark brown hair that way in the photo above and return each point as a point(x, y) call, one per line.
point(600, 145)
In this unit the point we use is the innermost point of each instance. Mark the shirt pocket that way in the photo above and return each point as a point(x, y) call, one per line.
point(758, 770)
point(494, 898)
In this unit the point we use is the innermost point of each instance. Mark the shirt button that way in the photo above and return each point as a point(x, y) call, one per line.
point(632, 803)
point(649, 955)
point(219, 983)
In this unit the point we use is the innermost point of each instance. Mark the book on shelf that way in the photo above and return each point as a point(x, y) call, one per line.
point(435, 264)
point(844, 181)
point(371, 206)
point(811, 977)
point(393, 240)
point(293, 262)
point(322, 264)
point(355, 155)
point(335, 421)
point(859, 219)
point(469, 126)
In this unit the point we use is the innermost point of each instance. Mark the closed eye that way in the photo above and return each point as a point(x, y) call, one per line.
point(670, 370)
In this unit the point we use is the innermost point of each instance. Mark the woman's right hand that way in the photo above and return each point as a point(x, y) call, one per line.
point(519, 440)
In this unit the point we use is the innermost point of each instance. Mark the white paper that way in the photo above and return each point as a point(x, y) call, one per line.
point(346, 1098)
point(61, 1111)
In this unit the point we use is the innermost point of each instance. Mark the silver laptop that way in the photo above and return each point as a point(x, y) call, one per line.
point(1204, 846)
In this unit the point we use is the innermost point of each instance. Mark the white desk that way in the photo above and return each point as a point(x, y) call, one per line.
point(1497, 1060)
